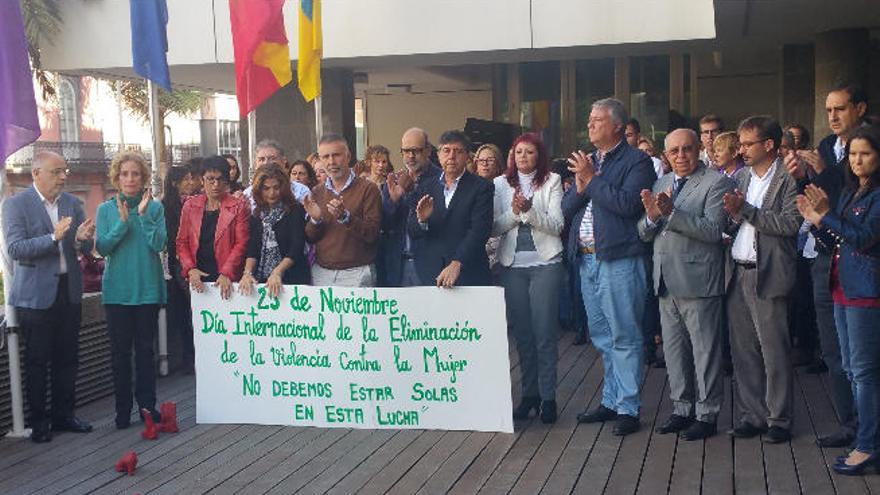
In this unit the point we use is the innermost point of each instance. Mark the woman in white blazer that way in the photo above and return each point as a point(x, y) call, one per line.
point(528, 218)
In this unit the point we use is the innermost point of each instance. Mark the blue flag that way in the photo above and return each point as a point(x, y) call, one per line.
point(149, 40)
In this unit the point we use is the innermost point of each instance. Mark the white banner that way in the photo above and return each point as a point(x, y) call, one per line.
point(418, 357)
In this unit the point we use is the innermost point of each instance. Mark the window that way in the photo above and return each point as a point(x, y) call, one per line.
point(228, 141)
point(67, 124)
point(594, 80)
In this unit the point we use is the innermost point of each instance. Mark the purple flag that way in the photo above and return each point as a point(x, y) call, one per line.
point(19, 125)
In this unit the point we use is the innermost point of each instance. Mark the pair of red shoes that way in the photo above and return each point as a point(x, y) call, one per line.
point(168, 424)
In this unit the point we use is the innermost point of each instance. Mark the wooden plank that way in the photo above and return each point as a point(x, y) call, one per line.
point(748, 463)
point(821, 414)
point(397, 468)
point(597, 469)
point(350, 460)
point(359, 476)
point(657, 468)
point(687, 469)
point(515, 461)
point(813, 475)
point(631, 459)
point(319, 463)
point(72, 462)
point(543, 463)
point(485, 464)
point(421, 471)
point(298, 439)
point(451, 469)
point(718, 461)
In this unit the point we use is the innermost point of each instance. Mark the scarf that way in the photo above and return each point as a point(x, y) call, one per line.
point(270, 255)
point(526, 182)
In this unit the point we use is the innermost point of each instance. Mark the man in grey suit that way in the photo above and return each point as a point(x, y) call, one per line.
point(685, 218)
point(765, 224)
point(43, 227)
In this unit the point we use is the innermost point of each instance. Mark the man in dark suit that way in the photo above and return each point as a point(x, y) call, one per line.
point(845, 106)
point(452, 220)
point(43, 227)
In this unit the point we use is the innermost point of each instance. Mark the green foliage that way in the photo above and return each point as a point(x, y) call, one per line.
point(134, 97)
point(42, 22)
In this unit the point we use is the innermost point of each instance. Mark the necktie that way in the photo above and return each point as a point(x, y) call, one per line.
point(679, 185)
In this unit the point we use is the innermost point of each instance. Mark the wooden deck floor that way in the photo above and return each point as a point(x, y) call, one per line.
point(562, 458)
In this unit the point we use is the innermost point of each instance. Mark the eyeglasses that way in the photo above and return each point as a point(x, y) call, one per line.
point(60, 171)
point(411, 151)
point(711, 132)
point(486, 161)
point(682, 150)
point(214, 180)
point(447, 150)
point(749, 144)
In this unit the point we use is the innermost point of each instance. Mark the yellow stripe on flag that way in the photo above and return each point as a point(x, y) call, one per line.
point(308, 67)
point(276, 58)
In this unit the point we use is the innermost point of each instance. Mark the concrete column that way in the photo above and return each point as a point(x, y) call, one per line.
point(208, 144)
point(676, 83)
point(841, 55)
point(694, 88)
point(798, 86)
point(514, 94)
point(287, 118)
point(621, 80)
point(567, 105)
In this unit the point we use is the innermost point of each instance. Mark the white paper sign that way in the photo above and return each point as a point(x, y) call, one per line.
point(418, 357)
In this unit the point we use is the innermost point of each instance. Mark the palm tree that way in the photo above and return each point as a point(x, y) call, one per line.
point(42, 22)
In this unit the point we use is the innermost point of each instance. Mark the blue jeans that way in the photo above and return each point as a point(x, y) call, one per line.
point(860, 356)
point(614, 295)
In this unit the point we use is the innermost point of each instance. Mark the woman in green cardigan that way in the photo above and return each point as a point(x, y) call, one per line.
point(130, 235)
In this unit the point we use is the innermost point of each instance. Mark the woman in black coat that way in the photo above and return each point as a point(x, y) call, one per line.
point(275, 253)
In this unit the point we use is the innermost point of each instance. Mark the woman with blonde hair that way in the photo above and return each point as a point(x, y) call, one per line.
point(488, 161)
point(130, 235)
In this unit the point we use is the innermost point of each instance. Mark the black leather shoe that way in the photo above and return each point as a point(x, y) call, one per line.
point(855, 469)
point(525, 407)
point(581, 339)
point(699, 430)
point(777, 434)
point(72, 424)
point(548, 411)
point(674, 424)
point(839, 438)
point(747, 430)
point(597, 415)
point(625, 425)
point(41, 433)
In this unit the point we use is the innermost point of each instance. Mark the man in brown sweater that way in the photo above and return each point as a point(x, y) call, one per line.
point(345, 213)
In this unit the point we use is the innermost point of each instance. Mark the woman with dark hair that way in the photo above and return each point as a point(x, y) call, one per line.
point(178, 185)
point(528, 218)
point(213, 235)
point(130, 235)
point(275, 249)
point(234, 173)
point(853, 231)
point(301, 171)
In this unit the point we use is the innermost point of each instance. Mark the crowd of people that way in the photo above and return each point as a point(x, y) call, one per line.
point(703, 248)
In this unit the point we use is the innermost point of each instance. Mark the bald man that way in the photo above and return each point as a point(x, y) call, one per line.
point(43, 228)
point(685, 217)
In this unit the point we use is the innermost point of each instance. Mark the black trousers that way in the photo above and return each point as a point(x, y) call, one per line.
point(178, 315)
point(133, 327)
point(52, 336)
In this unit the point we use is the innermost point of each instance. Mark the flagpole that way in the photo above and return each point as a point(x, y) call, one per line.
point(156, 183)
point(11, 331)
point(319, 122)
point(252, 142)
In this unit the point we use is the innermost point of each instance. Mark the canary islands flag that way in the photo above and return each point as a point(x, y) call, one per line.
point(262, 58)
point(308, 64)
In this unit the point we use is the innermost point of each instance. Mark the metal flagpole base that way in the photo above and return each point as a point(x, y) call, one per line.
point(18, 430)
point(163, 343)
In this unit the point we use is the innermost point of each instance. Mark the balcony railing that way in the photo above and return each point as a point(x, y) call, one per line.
point(94, 154)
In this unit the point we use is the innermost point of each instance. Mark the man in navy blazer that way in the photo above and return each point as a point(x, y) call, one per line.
point(452, 220)
point(43, 227)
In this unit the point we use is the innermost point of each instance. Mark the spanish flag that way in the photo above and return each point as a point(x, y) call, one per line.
point(262, 58)
point(308, 65)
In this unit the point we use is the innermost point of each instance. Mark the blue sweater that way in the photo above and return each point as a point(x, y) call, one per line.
point(617, 205)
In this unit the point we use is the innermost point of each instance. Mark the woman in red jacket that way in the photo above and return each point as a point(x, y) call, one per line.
point(213, 234)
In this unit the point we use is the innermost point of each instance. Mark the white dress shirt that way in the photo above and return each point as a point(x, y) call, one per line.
point(52, 210)
point(743, 249)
